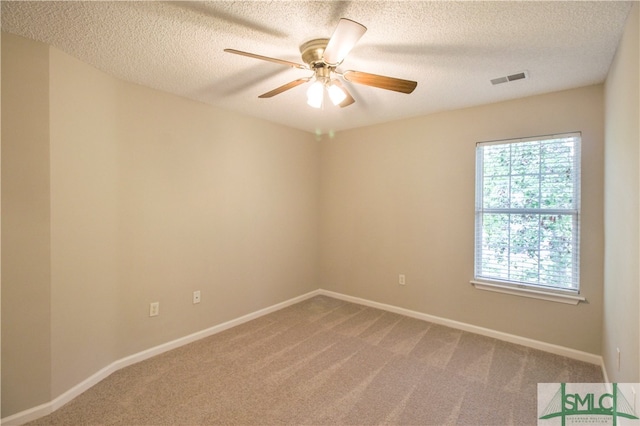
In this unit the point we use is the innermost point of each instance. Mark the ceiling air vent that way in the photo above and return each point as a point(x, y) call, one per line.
point(508, 78)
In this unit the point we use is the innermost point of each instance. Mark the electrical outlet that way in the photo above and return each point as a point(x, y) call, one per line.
point(618, 350)
point(196, 296)
point(154, 309)
point(401, 279)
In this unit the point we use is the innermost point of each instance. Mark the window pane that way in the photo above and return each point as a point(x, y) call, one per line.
point(557, 155)
point(495, 245)
point(529, 248)
point(525, 192)
point(557, 191)
point(556, 249)
point(525, 158)
point(497, 160)
point(496, 192)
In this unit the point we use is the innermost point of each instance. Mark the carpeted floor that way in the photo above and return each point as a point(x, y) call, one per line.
point(329, 362)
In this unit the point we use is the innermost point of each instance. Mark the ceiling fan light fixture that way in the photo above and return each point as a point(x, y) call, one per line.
point(336, 94)
point(315, 94)
point(322, 56)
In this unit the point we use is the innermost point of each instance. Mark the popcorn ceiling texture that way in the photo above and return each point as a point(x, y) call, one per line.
point(452, 49)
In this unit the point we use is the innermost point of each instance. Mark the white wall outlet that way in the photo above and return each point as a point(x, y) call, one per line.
point(196, 296)
point(154, 309)
point(401, 279)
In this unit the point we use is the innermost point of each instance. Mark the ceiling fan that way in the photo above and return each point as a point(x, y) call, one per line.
point(323, 57)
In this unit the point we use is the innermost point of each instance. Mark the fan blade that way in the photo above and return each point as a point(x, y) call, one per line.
point(349, 99)
point(266, 58)
point(284, 87)
point(380, 81)
point(344, 37)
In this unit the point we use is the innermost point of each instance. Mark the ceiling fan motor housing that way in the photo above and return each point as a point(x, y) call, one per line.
point(312, 52)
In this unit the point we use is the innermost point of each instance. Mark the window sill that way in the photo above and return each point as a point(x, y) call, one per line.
point(527, 292)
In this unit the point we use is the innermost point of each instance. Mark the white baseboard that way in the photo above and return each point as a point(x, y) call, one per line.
point(49, 407)
point(512, 338)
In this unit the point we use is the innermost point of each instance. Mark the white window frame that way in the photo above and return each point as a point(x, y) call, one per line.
point(491, 282)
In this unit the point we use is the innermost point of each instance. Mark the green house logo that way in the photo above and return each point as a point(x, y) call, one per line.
point(587, 403)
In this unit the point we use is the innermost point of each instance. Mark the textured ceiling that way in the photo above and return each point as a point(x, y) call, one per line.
point(452, 49)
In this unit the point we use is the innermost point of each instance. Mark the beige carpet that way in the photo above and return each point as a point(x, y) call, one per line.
point(328, 362)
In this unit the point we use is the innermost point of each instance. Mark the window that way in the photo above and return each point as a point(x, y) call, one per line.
point(528, 213)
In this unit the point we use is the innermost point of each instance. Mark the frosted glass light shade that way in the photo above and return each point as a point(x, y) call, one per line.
point(336, 94)
point(315, 94)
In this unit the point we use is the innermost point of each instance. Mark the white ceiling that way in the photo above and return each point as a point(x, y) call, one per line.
point(452, 49)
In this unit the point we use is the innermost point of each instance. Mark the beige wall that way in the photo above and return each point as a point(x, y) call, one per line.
point(26, 314)
point(399, 198)
point(151, 197)
point(622, 186)
point(84, 220)
point(226, 204)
